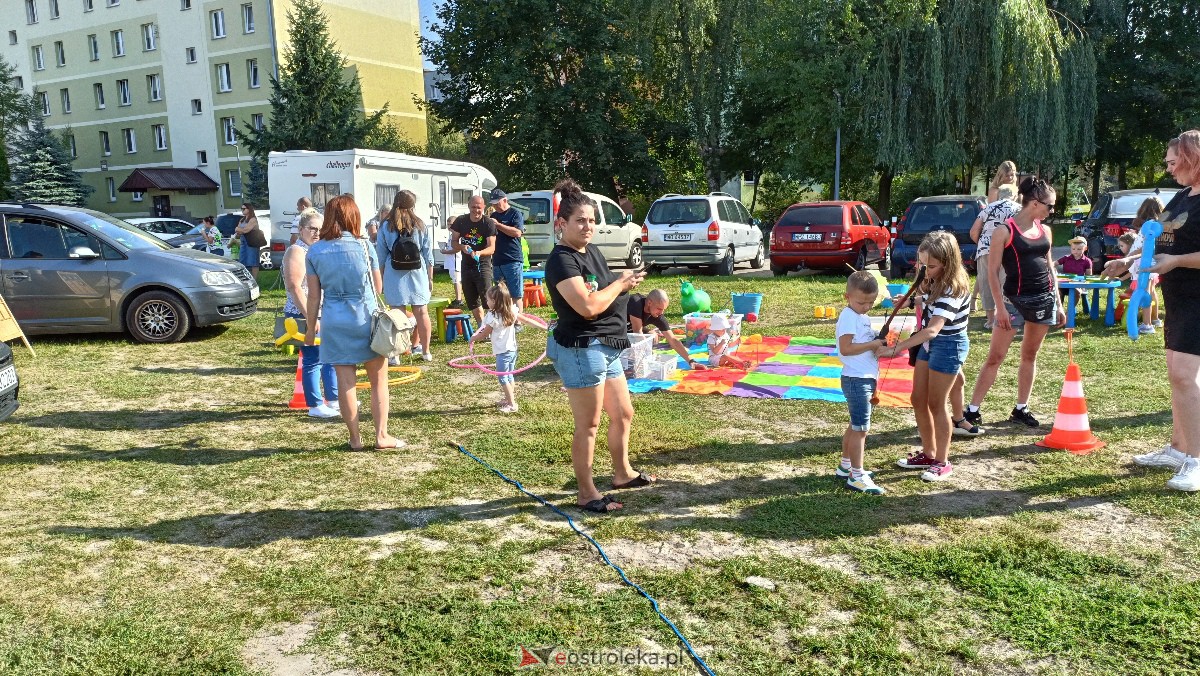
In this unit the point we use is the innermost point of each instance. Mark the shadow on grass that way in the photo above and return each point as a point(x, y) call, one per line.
point(196, 335)
point(219, 370)
point(189, 452)
point(136, 419)
point(254, 529)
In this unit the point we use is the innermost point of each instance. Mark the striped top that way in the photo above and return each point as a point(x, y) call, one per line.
point(955, 309)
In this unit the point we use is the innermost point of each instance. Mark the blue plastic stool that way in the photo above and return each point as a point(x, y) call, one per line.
point(458, 324)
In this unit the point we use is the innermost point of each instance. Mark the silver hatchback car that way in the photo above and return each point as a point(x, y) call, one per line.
point(74, 270)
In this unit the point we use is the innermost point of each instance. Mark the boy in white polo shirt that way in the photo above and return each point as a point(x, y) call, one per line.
point(860, 370)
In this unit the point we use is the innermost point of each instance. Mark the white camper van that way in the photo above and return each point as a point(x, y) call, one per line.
point(443, 187)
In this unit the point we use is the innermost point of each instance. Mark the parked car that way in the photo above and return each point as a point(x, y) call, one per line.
point(163, 228)
point(10, 384)
point(953, 213)
point(74, 270)
point(617, 236)
point(227, 222)
point(1112, 216)
point(713, 230)
point(829, 235)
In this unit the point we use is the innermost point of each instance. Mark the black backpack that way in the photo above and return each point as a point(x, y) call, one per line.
point(406, 255)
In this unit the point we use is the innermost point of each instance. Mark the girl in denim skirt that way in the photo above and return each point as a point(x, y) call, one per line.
point(944, 346)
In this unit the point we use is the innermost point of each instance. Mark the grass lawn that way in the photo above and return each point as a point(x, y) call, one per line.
point(161, 512)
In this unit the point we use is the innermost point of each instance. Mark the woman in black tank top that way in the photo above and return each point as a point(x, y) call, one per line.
point(1030, 297)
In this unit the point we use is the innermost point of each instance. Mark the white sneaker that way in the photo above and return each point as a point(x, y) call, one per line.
point(1188, 476)
point(393, 361)
point(321, 412)
point(427, 356)
point(1145, 329)
point(508, 408)
point(1166, 456)
point(1158, 323)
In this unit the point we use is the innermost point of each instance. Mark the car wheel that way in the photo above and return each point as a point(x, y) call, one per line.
point(860, 262)
point(778, 270)
point(886, 263)
point(1097, 266)
point(654, 269)
point(757, 261)
point(635, 256)
point(158, 317)
point(898, 271)
point(725, 267)
point(264, 259)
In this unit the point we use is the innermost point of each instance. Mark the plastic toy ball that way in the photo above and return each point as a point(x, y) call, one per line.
point(751, 317)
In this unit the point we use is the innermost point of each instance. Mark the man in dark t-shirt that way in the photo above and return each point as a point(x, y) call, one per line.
point(646, 316)
point(475, 236)
point(508, 261)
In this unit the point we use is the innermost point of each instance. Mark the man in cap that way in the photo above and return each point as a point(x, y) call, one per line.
point(508, 261)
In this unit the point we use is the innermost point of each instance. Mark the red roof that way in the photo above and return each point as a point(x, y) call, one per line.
point(191, 180)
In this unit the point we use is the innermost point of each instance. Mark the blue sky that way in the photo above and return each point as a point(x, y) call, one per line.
point(428, 14)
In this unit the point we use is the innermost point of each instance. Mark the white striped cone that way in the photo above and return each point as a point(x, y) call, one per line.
point(1072, 431)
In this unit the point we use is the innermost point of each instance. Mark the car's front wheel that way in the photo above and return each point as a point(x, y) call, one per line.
point(264, 259)
point(757, 261)
point(635, 256)
point(158, 317)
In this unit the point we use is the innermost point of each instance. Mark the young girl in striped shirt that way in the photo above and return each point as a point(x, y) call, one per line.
point(944, 346)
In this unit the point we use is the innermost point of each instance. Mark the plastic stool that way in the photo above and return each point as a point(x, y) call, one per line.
point(534, 296)
point(458, 324)
point(434, 308)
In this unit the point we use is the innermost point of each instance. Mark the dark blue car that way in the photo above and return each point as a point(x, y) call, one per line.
point(1112, 216)
point(953, 213)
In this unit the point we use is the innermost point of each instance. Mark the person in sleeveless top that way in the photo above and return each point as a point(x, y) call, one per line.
point(1028, 297)
point(1004, 183)
point(1177, 262)
point(294, 272)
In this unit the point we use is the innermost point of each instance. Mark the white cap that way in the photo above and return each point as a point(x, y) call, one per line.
point(718, 323)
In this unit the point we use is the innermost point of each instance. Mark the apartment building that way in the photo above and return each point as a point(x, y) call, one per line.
point(150, 91)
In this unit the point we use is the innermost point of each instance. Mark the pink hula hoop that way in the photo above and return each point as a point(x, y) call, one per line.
point(471, 361)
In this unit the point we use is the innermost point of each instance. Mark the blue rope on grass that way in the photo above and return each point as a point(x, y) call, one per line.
point(653, 602)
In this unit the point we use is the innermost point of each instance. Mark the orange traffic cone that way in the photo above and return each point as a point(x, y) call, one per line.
point(298, 392)
point(1071, 431)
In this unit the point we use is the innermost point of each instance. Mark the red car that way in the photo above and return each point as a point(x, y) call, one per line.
point(829, 235)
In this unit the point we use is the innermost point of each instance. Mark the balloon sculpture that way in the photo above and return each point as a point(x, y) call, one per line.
point(693, 299)
point(1141, 297)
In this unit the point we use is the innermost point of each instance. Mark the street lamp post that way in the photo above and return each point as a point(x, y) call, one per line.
point(837, 152)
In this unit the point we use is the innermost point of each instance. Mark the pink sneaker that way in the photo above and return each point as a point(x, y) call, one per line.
point(916, 460)
point(938, 472)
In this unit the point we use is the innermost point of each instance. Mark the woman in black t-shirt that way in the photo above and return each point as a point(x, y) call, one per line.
point(586, 345)
point(1177, 261)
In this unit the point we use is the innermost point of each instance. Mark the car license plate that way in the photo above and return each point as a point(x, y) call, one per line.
point(8, 378)
point(677, 237)
point(807, 236)
point(254, 291)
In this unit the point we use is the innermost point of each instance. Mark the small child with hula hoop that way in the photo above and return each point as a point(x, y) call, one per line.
point(500, 322)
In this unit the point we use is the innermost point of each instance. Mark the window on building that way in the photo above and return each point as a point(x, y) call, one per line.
point(44, 99)
point(190, 54)
point(201, 158)
point(224, 81)
point(39, 59)
point(130, 140)
point(71, 144)
point(228, 130)
point(18, 82)
point(235, 182)
point(54, 13)
point(113, 3)
point(217, 18)
point(105, 147)
point(252, 73)
point(112, 189)
point(12, 37)
point(154, 86)
point(31, 11)
point(65, 95)
point(118, 43)
point(185, 4)
point(98, 90)
point(137, 196)
point(247, 18)
point(60, 55)
point(149, 37)
point(256, 120)
point(88, 6)
point(197, 106)
point(93, 48)
point(160, 136)
point(123, 98)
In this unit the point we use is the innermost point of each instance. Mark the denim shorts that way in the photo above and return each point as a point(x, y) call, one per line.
point(585, 366)
point(511, 274)
point(858, 393)
point(946, 354)
point(248, 255)
point(506, 361)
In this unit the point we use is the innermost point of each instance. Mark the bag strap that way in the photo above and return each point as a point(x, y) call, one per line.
point(367, 277)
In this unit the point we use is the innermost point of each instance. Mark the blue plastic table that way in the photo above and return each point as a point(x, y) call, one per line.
point(1074, 287)
point(538, 276)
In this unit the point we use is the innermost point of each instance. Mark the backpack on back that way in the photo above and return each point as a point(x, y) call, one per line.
point(406, 255)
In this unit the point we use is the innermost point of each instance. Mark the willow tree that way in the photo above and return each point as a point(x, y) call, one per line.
point(963, 83)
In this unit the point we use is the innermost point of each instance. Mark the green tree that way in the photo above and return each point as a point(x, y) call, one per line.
point(42, 169)
point(542, 89)
point(316, 103)
point(16, 111)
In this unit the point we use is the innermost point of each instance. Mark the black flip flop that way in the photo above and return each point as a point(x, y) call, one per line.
point(637, 482)
point(598, 506)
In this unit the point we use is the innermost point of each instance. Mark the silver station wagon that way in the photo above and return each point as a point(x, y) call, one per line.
point(74, 270)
